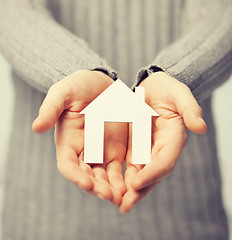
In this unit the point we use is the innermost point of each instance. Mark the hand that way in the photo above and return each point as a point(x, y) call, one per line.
point(61, 107)
point(177, 109)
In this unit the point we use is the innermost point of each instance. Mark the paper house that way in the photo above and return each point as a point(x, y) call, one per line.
point(118, 103)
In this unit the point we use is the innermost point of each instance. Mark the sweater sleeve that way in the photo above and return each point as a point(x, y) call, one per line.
point(39, 49)
point(202, 57)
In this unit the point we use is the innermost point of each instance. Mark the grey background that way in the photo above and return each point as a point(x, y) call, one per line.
point(222, 111)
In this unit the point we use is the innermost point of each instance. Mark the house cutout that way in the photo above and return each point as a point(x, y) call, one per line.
point(118, 103)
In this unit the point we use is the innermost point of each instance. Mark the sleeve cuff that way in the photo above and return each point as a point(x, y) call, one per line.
point(146, 72)
point(111, 73)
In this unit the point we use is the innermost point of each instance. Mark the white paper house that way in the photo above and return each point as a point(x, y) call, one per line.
point(118, 103)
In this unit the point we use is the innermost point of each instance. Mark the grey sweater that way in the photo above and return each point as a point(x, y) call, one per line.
point(45, 41)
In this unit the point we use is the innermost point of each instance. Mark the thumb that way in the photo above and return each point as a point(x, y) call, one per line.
point(51, 108)
point(190, 110)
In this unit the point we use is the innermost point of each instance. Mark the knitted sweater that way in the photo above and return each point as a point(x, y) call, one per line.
point(46, 40)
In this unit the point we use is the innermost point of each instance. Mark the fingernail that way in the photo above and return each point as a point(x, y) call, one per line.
point(100, 196)
point(123, 211)
point(81, 186)
point(201, 119)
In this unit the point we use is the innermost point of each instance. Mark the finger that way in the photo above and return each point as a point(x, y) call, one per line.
point(67, 163)
point(86, 168)
point(189, 109)
point(131, 169)
point(161, 165)
point(130, 173)
point(101, 185)
point(115, 144)
point(104, 191)
point(114, 172)
point(132, 197)
point(129, 147)
point(128, 201)
point(117, 197)
point(51, 108)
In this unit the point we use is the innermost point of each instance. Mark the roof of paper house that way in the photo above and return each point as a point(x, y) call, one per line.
point(120, 95)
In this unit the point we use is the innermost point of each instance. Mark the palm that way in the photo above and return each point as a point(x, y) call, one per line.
point(77, 92)
point(168, 139)
point(106, 177)
point(169, 135)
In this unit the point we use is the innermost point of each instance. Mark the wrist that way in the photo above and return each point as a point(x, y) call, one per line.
point(146, 72)
point(103, 75)
point(159, 77)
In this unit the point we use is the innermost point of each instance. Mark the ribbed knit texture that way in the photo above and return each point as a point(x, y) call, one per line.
point(129, 34)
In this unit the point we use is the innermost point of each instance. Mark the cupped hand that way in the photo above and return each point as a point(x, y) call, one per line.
point(177, 109)
point(61, 108)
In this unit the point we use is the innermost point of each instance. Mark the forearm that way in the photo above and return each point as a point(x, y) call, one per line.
point(202, 57)
point(39, 49)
